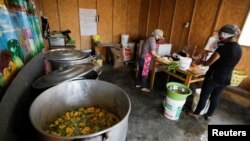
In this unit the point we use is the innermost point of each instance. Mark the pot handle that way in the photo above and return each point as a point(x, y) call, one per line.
point(81, 78)
point(104, 138)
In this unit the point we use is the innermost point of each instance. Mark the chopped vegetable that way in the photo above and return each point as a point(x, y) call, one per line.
point(171, 67)
point(82, 122)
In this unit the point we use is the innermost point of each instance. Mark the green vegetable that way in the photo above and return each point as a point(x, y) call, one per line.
point(171, 67)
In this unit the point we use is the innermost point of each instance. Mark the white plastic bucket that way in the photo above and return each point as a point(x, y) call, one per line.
point(185, 63)
point(127, 54)
point(124, 40)
point(173, 108)
point(87, 51)
point(132, 46)
point(196, 99)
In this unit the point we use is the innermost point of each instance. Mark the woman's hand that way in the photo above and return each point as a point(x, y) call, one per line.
point(198, 61)
point(155, 54)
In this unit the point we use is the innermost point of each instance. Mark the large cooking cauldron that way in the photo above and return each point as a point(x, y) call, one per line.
point(71, 95)
point(65, 57)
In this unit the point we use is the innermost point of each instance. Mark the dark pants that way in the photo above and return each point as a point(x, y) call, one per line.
point(141, 80)
point(212, 89)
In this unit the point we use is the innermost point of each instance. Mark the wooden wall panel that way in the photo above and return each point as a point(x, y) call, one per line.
point(202, 25)
point(119, 19)
point(244, 65)
point(143, 19)
point(154, 12)
point(70, 20)
point(134, 7)
point(233, 11)
point(87, 4)
point(166, 17)
point(50, 10)
point(183, 13)
point(105, 25)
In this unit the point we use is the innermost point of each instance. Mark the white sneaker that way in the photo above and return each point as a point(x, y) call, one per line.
point(137, 86)
point(145, 89)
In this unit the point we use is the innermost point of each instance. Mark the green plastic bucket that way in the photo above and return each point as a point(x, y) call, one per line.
point(178, 91)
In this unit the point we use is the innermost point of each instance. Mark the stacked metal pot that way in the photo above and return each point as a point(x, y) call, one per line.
point(67, 65)
point(65, 57)
point(71, 67)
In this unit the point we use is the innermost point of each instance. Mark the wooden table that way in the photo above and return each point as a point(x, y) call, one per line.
point(189, 76)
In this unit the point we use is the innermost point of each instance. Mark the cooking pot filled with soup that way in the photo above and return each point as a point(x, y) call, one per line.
point(90, 110)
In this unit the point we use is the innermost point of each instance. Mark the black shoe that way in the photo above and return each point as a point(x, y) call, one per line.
point(197, 117)
point(207, 118)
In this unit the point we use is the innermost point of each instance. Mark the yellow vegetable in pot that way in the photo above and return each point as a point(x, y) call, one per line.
point(83, 121)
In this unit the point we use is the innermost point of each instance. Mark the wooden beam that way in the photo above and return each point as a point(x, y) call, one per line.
point(190, 22)
point(172, 27)
point(105, 24)
point(217, 16)
point(148, 17)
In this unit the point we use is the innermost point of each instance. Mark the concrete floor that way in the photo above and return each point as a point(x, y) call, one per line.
point(147, 121)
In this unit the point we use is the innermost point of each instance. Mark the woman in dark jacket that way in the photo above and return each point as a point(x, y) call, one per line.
point(222, 64)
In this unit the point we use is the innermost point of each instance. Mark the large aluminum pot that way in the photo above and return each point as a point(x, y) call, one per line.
point(65, 57)
point(81, 93)
point(58, 63)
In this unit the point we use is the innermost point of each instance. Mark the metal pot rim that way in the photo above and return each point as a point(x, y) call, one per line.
point(65, 54)
point(81, 136)
point(62, 74)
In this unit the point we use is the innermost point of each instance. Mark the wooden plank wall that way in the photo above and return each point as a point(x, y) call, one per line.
point(139, 18)
point(166, 17)
point(105, 25)
point(202, 23)
point(153, 18)
point(143, 24)
point(134, 7)
point(68, 17)
point(182, 14)
point(50, 10)
point(120, 11)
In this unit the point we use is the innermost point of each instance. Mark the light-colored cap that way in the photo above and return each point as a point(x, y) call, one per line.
point(158, 33)
point(229, 30)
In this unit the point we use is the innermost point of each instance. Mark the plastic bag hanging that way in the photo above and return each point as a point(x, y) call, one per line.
point(45, 27)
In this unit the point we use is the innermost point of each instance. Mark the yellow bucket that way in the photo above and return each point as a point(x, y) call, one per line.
point(237, 77)
point(96, 38)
